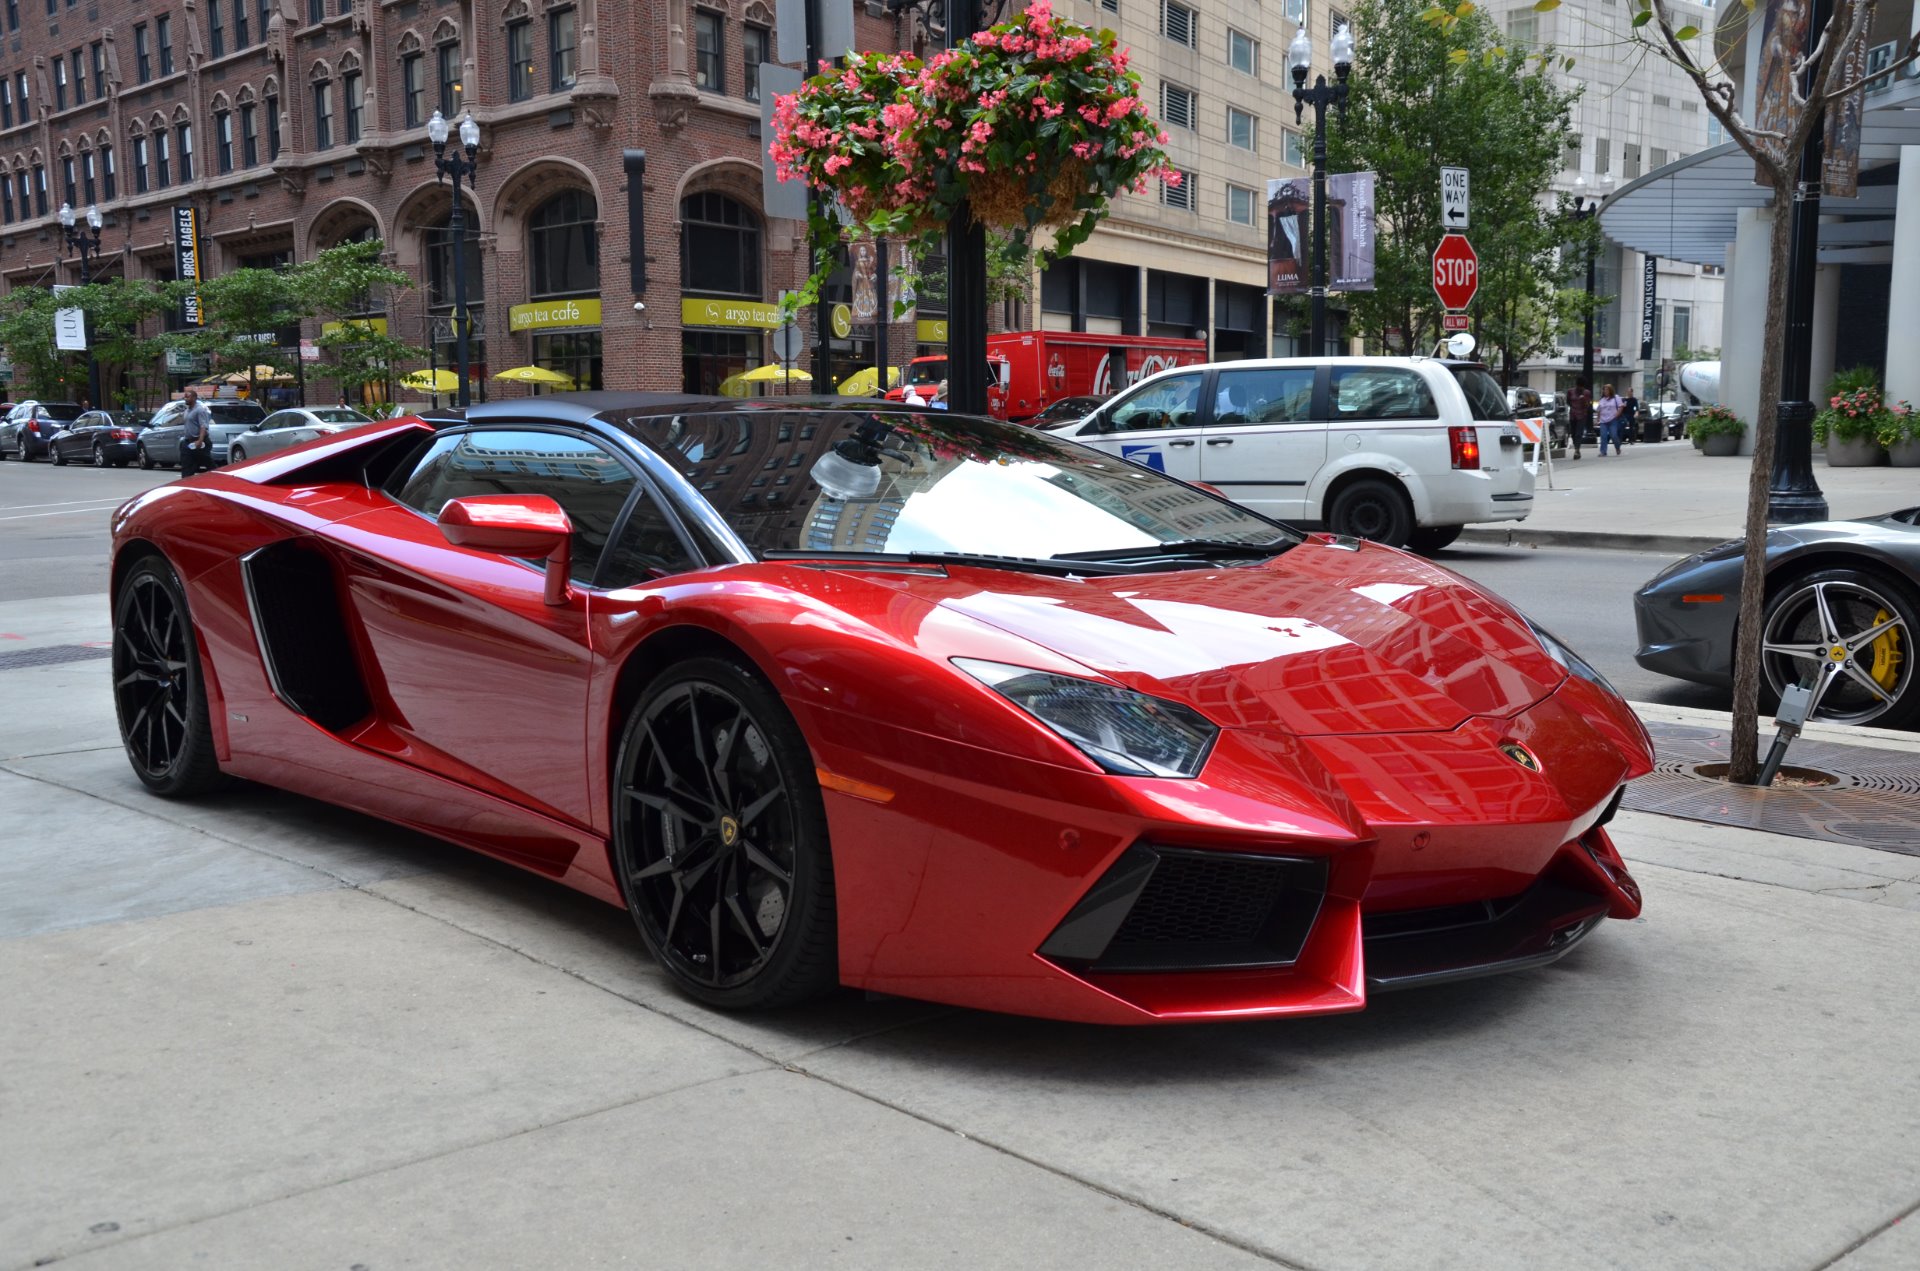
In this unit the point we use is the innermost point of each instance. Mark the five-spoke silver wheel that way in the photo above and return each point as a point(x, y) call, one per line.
point(1848, 636)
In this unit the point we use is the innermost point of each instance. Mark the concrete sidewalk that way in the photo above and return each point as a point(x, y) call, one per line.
point(1666, 496)
point(253, 1031)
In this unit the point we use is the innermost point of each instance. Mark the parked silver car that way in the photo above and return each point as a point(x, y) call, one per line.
point(160, 443)
point(290, 427)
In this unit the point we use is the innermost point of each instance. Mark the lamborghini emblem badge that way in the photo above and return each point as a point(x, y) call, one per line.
point(1520, 755)
point(729, 831)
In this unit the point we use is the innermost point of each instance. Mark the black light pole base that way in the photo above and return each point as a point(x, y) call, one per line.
point(1793, 496)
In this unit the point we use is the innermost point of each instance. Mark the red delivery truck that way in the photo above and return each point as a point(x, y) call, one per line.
point(1033, 369)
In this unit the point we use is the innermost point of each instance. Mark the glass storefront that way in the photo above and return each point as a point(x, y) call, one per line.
point(709, 358)
point(575, 354)
point(721, 310)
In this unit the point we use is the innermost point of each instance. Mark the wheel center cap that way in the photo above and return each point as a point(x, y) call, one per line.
point(729, 831)
point(1838, 653)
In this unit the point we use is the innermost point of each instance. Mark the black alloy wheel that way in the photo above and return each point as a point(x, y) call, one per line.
point(157, 689)
point(100, 456)
point(1852, 634)
point(1373, 509)
point(59, 455)
point(720, 839)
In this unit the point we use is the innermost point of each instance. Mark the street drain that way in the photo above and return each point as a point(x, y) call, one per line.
point(1841, 794)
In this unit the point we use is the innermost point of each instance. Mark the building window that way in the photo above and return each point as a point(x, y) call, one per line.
point(20, 93)
point(1243, 53)
point(1111, 6)
point(25, 190)
point(88, 177)
point(249, 136)
point(6, 102)
point(1177, 23)
point(350, 88)
point(413, 88)
point(564, 245)
point(79, 78)
point(1243, 130)
point(563, 42)
point(1182, 195)
point(13, 22)
point(239, 22)
point(99, 52)
point(323, 114)
point(1630, 160)
point(1602, 155)
point(1523, 27)
point(69, 181)
point(1336, 23)
point(1295, 11)
point(163, 37)
point(185, 134)
point(162, 159)
point(1293, 148)
point(1240, 204)
point(755, 46)
point(1716, 131)
point(719, 247)
point(142, 55)
point(440, 277)
point(448, 56)
point(106, 172)
point(1682, 329)
point(271, 104)
point(6, 199)
point(1177, 107)
point(40, 187)
point(223, 140)
point(59, 83)
point(1656, 158)
point(216, 35)
point(316, 12)
point(266, 13)
point(520, 60)
point(708, 46)
point(1570, 154)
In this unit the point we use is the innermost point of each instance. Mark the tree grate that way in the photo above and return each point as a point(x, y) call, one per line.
point(51, 655)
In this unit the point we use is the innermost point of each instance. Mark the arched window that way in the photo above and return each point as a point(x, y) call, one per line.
point(719, 246)
point(564, 245)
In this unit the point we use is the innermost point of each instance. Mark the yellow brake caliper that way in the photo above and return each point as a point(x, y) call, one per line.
point(1887, 654)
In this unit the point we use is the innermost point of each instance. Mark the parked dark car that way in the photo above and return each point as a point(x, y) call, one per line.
point(160, 443)
point(27, 430)
point(98, 438)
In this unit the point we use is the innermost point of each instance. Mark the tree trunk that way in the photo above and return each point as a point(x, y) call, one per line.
point(1744, 759)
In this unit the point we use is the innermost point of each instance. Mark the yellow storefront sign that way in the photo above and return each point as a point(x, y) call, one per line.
point(931, 330)
point(729, 313)
point(378, 326)
point(548, 315)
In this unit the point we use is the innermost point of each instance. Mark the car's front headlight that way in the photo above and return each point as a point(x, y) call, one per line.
point(1557, 650)
point(1127, 733)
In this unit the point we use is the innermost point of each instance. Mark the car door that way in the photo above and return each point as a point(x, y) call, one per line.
point(483, 681)
point(162, 438)
point(1265, 441)
point(1157, 425)
point(275, 432)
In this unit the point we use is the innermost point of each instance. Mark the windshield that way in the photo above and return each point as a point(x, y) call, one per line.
point(910, 482)
point(920, 374)
point(338, 415)
point(1484, 396)
point(66, 412)
point(235, 412)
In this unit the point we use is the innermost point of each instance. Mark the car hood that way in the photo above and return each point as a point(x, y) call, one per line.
point(1320, 641)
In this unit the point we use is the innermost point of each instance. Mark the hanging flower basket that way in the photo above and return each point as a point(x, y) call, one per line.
point(1034, 123)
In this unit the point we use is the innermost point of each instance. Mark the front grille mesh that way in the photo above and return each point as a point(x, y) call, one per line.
point(1193, 899)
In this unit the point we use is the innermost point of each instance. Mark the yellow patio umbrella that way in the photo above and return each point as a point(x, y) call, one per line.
point(431, 381)
point(535, 375)
point(773, 372)
point(262, 374)
point(866, 382)
point(735, 386)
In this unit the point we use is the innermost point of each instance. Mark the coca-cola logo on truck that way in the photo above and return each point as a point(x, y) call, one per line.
point(1149, 365)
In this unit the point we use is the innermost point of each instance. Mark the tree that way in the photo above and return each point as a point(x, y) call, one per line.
point(343, 285)
point(118, 311)
point(1427, 96)
point(26, 333)
point(241, 311)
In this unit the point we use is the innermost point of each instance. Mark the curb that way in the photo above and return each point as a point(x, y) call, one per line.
point(1837, 734)
point(1678, 544)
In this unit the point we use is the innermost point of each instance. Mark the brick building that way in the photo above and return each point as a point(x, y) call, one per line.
point(293, 125)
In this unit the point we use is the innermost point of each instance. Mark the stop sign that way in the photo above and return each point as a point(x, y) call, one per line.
point(1456, 271)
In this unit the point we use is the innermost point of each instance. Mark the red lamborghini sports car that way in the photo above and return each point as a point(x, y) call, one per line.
point(854, 694)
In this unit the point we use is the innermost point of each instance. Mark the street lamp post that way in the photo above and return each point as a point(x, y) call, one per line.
point(457, 167)
point(1585, 209)
point(87, 243)
point(1320, 96)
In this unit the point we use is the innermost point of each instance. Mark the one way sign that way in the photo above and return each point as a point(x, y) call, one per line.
point(1453, 199)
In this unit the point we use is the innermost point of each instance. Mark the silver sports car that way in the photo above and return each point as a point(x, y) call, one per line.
point(1843, 611)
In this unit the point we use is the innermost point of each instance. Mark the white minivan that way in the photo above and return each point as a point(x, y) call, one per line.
point(1402, 450)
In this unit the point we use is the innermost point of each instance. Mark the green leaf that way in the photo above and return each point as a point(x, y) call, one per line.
point(1643, 17)
point(1457, 56)
point(1686, 33)
point(1567, 65)
point(1545, 6)
point(1433, 15)
point(1462, 9)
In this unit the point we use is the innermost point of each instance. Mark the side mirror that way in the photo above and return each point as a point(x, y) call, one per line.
point(514, 525)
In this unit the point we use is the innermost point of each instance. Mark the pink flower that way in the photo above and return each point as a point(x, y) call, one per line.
point(836, 162)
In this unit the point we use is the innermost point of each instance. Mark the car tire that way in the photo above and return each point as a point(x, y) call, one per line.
point(146, 460)
point(720, 840)
point(26, 452)
point(1879, 680)
point(59, 455)
point(159, 693)
point(100, 457)
point(1372, 509)
point(1429, 539)
point(236, 455)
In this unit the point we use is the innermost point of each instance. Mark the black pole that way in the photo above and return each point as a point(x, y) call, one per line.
point(1793, 495)
point(89, 244)
point(1317, 326)
point(823, 309)
point(1586, 331)
point(966, 274)
point(457, 224)
point(882, 318)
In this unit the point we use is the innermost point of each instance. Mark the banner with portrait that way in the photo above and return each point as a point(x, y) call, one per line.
point(1350, 233)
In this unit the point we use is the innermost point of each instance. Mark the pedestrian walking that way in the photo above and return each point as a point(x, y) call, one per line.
point(196, 439)
point(1629, 419)
point(1579, 412)
point(1607, 411)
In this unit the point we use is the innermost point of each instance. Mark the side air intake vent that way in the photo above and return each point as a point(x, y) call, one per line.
point(294, 597)
point(1180, 909)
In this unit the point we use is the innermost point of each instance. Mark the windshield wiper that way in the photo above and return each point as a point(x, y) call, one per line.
point(1195, 547)
point(1061, 565)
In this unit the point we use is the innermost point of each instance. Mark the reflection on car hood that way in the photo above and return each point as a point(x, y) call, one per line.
point(1320, 641)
